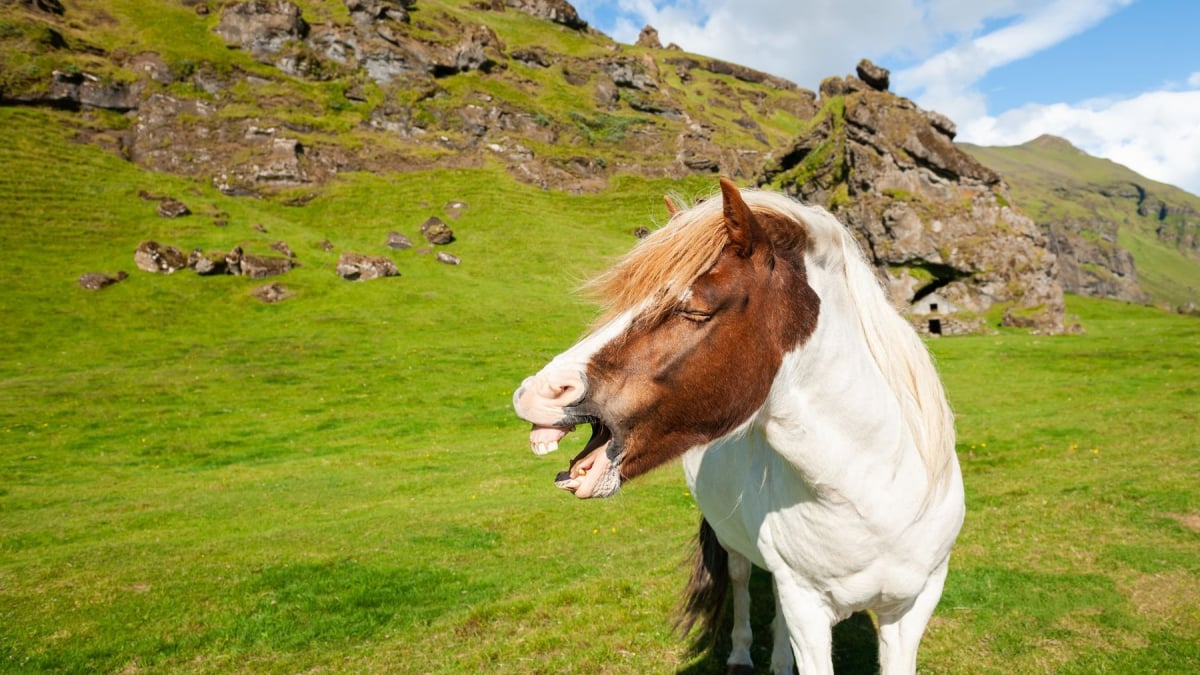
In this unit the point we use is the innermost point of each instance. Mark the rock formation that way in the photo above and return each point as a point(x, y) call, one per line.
point(931, 218)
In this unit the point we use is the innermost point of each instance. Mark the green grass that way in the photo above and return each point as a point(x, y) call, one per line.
point(193, 481)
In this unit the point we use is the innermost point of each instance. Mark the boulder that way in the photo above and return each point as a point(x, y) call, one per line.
point(94, 281)
point(272, 292)
point(283, 248)
point(150, 256)
point(447, 258)
point(360, 267)
point(454, 208)
point(876, 77)
point(437, 232)
point(172, 208)
point(261, 267)
point(398, 242)
point(207, 264)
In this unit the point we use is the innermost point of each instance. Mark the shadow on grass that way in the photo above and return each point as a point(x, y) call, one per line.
point(855, 641)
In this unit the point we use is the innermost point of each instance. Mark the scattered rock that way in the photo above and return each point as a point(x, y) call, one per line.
point(359, 267)
point(258, 227)
point(641, 232)
point(172, 208)
point(454, 208)
point(325, 245)
point(261, 267)
point(94, 281)
point(283, 248)
point(448, 258)
point(272, 292)
point(151, 256)
point(398, 242)
point(437, 232)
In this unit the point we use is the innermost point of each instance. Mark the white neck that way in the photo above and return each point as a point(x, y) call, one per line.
point(832, 416)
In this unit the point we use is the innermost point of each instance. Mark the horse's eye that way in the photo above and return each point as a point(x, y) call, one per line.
point(694, 315)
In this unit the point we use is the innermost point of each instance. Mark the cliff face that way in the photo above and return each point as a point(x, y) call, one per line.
point(937, 223)
point(1102, 218)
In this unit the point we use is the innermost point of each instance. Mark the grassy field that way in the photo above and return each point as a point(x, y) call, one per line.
point(193, 481)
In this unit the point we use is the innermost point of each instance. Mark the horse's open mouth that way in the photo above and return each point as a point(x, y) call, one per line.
point(591, 473)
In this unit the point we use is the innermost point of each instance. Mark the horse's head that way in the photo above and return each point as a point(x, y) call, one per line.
point(700, 316)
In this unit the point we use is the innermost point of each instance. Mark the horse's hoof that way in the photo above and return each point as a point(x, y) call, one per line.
point(739, 669)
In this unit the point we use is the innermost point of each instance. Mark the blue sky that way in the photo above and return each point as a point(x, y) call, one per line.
point(1118, 78)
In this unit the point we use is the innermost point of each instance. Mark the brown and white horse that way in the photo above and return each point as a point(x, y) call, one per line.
point(750, 338)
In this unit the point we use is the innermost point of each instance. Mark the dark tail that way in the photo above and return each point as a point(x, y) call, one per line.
point(706, 590)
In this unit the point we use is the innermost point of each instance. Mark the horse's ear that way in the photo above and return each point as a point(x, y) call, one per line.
point(672, 209)
point(743, 228)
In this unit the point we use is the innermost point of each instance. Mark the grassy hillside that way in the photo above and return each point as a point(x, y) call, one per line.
point(1051, 180)
point(548, 106)
point(193, 481)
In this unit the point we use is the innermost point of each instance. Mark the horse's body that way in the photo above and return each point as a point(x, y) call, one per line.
point(750, 338)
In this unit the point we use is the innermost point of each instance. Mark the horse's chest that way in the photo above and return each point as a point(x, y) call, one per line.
point(760, 507)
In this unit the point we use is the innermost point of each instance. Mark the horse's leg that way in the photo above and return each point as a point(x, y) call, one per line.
point(900, 634)
point(739, 656)
point(782, 660)
point(809, 625)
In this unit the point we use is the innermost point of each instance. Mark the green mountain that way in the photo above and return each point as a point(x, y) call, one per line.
point(1116, 232)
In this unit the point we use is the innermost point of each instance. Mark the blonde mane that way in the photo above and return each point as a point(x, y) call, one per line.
point(653, 275)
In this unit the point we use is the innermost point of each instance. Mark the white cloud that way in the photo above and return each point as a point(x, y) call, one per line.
point(944, 81)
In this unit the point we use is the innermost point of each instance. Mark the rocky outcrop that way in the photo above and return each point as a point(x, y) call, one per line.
point(262, 27)
point(649, 38)
point(930, 217)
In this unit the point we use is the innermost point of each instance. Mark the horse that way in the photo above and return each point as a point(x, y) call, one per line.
point(750, 338)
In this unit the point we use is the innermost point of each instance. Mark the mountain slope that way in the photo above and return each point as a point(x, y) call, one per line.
point(270, 96)
point(1102, 219)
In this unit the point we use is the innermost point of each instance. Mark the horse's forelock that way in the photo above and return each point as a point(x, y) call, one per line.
point(663, 265)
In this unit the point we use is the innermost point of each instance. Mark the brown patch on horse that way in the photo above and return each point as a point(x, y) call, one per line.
point(701, 358)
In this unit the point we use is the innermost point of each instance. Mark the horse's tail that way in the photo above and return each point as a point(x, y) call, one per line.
point(704, 602)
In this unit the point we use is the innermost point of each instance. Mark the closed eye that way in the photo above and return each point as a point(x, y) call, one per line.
point(694, 315)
